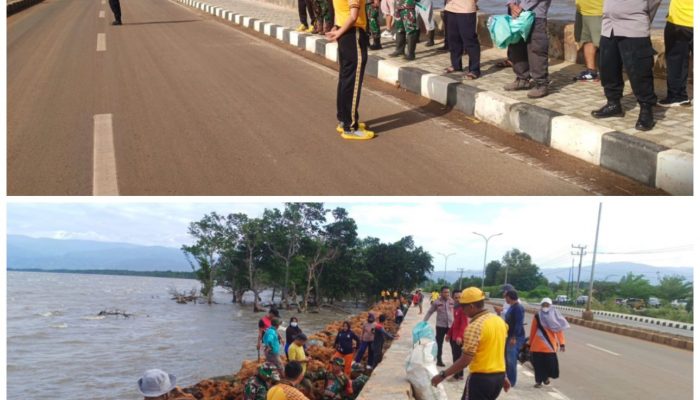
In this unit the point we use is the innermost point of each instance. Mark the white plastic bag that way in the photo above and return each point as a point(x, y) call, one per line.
point(421, 368)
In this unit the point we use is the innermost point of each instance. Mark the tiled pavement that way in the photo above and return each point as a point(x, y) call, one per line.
point(674, 128)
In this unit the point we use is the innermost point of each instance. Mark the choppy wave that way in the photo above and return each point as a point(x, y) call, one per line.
point(93, 317)
point(51, 314)
point(60, 326)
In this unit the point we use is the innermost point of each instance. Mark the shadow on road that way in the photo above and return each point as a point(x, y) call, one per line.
point(402, 119)
point(160, 22)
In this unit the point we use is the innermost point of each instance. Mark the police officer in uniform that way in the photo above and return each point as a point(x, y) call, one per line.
point(625, 41)
point(406, 28)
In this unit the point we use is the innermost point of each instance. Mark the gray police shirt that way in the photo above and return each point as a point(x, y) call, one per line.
point(628, 18)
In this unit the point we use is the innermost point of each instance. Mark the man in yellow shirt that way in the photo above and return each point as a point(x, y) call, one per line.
point(286, 390)
point(678, 41)
point(483, 349)
point(589, 19)
point(349, 32)
point(297, 353)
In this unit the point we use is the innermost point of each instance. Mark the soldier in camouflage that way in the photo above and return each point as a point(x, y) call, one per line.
point(324, 22)
point(337, 385)
point(257, 386)
point(372, 10)
point(406, 28)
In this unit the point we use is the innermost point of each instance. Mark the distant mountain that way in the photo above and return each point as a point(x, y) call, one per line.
point(611, 272)
point(25, 252)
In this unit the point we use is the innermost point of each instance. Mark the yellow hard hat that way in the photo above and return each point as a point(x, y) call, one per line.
point(471, 295)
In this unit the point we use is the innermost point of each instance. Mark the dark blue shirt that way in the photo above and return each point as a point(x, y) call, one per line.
point(515, 318)
point(343, 342)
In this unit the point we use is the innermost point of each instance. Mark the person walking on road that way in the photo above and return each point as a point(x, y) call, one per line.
point(678, 43)
point(531, 59)
point(482, 350)
point(444, 306)
point(117, 11)
point(625, 41)
point(349, 32)
point(418, 301)
point(344, 341)
point(546, 338)
point(516, 334)
point(456, 332)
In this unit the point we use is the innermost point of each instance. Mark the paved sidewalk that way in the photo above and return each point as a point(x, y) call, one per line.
point(659, 158)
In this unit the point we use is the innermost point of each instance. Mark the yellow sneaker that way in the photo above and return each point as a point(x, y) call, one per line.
point(302, 28)
point(362, 126)
point(357, 135)
point(311, 29)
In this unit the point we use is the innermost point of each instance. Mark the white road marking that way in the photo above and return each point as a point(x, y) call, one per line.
point(104, 165)
point(102, 14)
point(101, 42)
point(602, 349)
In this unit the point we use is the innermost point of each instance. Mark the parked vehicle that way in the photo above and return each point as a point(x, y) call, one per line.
point(561, 299)
point(654, 302)
point(679, 303)
point(581, 300)
point(619, 301)
point(634, 303)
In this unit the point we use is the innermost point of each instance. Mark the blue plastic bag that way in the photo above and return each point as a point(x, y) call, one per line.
point(506, 30)
point(423, 330)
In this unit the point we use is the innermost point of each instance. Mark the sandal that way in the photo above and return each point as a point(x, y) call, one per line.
point(471, 76)
point(449, 70)
point(504, 64)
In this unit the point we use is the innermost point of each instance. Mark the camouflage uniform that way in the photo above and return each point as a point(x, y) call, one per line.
point(335, 386)
point(372, 19)
point(405, 16)
point(322, 10)
point(257, 386)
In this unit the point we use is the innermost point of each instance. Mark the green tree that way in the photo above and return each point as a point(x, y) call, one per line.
point(635, 286)
point(493, 271)
point(522, 273)
point(204, 254)
point(674, 287)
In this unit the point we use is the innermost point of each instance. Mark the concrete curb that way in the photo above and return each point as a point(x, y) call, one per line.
point(643, 161)
point(679, 342)
point(17, 6)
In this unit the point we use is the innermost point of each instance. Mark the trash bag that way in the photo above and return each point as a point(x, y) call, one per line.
point(423, 330)
point(506, 30)
point(421, 368)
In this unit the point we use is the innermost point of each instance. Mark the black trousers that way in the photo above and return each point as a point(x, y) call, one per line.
point(546, 365)
point(445, 15)
point(305, 6)
point(530, 59)
point(678, 41)
point(456, 354)
point(352, 56)
point(483, 386)
point(461, 35)
point(440, 333)
point(116, 9)
point(637, 57)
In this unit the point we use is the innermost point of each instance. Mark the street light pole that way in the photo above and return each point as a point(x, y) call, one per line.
point(588, 314)
point(444, 275)
point(486, 249)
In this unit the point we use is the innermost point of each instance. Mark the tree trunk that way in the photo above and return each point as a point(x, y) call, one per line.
point(285, 293)
point(256, 304)
point(211, 280)
point(233, 300)
point(272, 300)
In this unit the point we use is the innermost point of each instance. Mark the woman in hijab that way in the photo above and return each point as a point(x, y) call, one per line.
point(546, 338)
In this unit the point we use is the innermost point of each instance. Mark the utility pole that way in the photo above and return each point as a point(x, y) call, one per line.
point(588, 314)
point(581, 251)
point(570, 281)
point(461, 271)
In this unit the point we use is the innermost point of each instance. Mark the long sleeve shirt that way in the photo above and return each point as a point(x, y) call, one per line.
point(539, 344)
point(539, 7)
point(459, 324)
point(343, 342)
point(515, 318)
point(628, 18)
point(271, 340)
point(444, 309)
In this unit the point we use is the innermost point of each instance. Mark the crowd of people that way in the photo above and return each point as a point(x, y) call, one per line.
point(614, 36)
point(488, 343)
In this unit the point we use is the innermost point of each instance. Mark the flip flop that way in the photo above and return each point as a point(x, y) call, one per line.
point(471, 76)
point(504, 64)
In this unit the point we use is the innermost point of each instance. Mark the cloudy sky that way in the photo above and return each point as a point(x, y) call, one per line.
point(654, 231)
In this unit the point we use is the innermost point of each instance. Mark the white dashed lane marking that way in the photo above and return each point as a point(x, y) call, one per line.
point(104, 173)
point(101, 42)
point(102, 14)
point(602, 349)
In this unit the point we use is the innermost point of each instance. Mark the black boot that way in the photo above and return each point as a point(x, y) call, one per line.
point(411, 41)
point(431, 39)
point(376, 43)
point(400, 44)
point(646, 118)
point(612, 109)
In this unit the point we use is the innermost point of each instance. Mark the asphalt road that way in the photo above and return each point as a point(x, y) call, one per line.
point(174, 103)
point(602, 365)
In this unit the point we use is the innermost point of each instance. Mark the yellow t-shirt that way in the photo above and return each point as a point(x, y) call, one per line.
point(590, 7)
point(485, 340)
point(342, 12)
point(680, 12)
point(296, 353)
point(282, 391)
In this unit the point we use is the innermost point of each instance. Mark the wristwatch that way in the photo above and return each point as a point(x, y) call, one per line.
point(442, 374)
